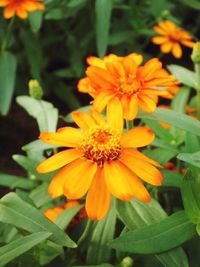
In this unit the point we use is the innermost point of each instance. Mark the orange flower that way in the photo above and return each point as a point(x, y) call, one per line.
point(101, 160)
point(20, 7)
point(171, 37)
point(123, 79)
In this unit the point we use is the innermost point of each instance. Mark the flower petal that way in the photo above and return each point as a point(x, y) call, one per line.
point(98, 197)
point(83, 119)
point(176, 50)
point(123, 183)
point(146, 103)
point(22, 13)
point(136, 154)
point(79, 178)
point(9, 12)
point(137, 137)
point(58, 160)
point(142, 169)
point(97, 117)
point(159, 39)
point(130, 106)
point(114, 114)
point(102, 99)
point(66, 136)
point(166, 47)
point(150, 68)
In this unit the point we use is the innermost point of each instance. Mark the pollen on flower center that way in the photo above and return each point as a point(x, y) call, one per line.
point(101, 144)
point(129, 85)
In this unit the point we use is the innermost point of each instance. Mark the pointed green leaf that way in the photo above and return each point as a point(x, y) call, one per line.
point(158, 237)
point(192, 158)
point(20, 246)
point(103, 9)
point(8, 67)
point(17, 212)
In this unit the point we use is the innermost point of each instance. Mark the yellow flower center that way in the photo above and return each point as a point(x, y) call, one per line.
point(101, 144)
point(129, 85)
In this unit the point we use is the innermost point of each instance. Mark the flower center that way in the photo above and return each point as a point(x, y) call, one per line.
point(176, 35)
point(129, 85)
point(101, 144)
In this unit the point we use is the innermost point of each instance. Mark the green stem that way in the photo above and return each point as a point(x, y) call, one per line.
point(7, 37)
point(129, 124)
point(198, 104)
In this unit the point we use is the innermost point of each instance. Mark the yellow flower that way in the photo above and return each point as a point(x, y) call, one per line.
point(122, 78)
point(102, 160)
point(20, 7)
point(171, 38)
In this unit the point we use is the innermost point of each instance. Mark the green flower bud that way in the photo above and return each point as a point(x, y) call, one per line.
point(196, 53)
point(35, 90)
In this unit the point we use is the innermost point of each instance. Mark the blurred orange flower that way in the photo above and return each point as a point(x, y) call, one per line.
point(124, 79)
point(102, 160)
point(171, 38)
point(20, 7)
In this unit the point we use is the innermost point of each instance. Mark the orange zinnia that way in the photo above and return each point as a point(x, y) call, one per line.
point(171, 37)
point(124, 79)
point(20, 7)
point(102, 160)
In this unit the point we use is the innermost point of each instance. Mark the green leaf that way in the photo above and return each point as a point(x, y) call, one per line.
point(98, 250)
point(44, 112)
point(40, 195)
point(64, 218)
point(192, 158)
point(163, 144)
point(184, 75)
point(13, 181)
point(35, 20)
point(192, 3)
point(174, 118)
point(191, 197)
point(136, 214)
point(20, 246)
point(180, 100)
point(158, 237)
point(171, 178)
point(103, 10)
point(8, 67)
point(161, 155)
point(21, 214)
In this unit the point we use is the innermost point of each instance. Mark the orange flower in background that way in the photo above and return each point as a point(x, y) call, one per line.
point(20, 7)
point(171, 38)
point(123, 78)
point(101, 160)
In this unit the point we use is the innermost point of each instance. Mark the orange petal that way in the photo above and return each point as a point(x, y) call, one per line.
point(97, 117)
point(116, 69)
point(129, 65)
point(58, 160)
point(67, 136)
point(136, 154)
point(3, 2)
point(114, 114)
point(155, 92)
point(150, 68)
point(159, 39)
point(79, 178)
point(9, 12)
point(137, 137)
point(166, 47)
point(176, 50)
point(142, 168)
point(55, 188)
point(102, 99)
point(147, 103)
point(83, 119)
point(122, 182)
point(22, 13)
point(95, 61)
point(136, 57)
point(160, 30)
point(188, 43)
point(130, 106)
point(98, 197)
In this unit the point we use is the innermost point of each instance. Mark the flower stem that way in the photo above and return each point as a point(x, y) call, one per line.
point(129, 124)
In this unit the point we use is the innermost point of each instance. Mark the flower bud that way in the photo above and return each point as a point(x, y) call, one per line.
point(196, 53)
point(35, 90)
